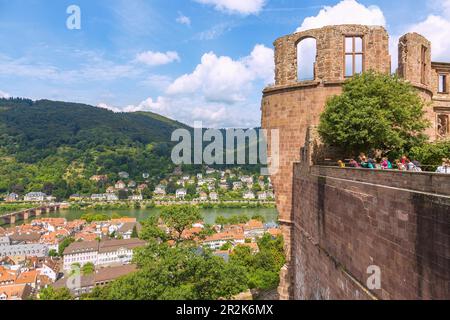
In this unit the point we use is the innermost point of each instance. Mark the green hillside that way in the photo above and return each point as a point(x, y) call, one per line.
point(56, 146)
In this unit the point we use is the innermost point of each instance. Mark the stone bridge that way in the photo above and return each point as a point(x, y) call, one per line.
point(13, 217)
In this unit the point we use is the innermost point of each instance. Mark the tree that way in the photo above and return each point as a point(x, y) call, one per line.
point(176, 273)
point(52, 253)
point(64, 244)
point(180, 218)
point(48, 188)
point(375, 111)
point(88, 268)
point(221, 220)
point(51, 293)
point(147, 194)
point(90, 217)
point(115, 215)
point(431, 154)
point(191, 189)
point(171, 187)
point(262, 268)
point(18, 188)
point(259, 218)
point(151, 232)
point(123, 195)
point(226, 246)
point(134, 233)
point(256, 188)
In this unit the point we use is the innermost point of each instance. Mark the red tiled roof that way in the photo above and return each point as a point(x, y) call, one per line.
point(254, 224)
point(225, 236)
point(7, 275)
point(29, 277)
point(21, 291)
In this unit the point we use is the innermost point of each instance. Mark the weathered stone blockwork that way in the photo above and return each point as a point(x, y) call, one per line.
point(349, 219)
point(291, 106)
point(330, 52)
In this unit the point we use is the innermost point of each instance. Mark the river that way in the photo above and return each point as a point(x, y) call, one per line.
point(209, 215)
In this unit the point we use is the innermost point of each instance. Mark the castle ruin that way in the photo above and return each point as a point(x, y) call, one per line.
point(339, 223)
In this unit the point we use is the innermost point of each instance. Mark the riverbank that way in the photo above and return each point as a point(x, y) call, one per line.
point(209, 215)
point(120, 205)
point(7, 207)
point(144, 209)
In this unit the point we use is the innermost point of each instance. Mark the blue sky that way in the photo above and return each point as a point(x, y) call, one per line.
point(192, 60)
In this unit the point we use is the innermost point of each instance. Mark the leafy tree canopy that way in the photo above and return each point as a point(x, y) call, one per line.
point(375, 111)
point(51, 293)
point(88, 268)
point(180, 218)
point(176, 273)
point(431, 154)
point(64, 244)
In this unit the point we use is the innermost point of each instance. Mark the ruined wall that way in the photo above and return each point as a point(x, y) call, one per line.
point(293, 106)
point(291, 112)
point(441, 101)
point(349, 219)
point(414, 65)
point(330, 52)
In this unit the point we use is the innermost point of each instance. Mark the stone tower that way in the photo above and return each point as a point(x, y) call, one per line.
point(291, 106)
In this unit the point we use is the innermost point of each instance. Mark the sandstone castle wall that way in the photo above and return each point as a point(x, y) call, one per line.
point(347, 220)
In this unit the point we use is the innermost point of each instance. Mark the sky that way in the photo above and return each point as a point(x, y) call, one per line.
point(190, 60)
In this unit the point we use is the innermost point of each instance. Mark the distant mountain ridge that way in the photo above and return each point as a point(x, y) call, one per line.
point(61, 143)
point(51, 124)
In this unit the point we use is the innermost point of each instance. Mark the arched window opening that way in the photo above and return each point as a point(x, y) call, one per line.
point(306, 59)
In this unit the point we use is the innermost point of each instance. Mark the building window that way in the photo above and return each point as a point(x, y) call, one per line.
point(442, 83)
point(354, 56)
point(306, 59)
point(423, 65)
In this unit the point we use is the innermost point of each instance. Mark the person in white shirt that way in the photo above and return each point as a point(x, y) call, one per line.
point(445, 168)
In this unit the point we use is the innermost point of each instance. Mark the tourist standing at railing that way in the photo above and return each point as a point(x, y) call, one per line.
point(413, 166)
point(386, 164)
point(445, 168)
point(400, 165)
point(404, 160)
point(372, 164)
point(354, 164)
point(363, 161)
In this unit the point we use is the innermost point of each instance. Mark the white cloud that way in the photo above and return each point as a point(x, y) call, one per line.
point(220, 91)
point(446, 7)
point(436, 29)
point(222, 79)
point(195, 108)
point(243, 7)
point(152, 58)
point(214, 32)
point(182, 19)
point(103, 105)
point(261, 63)
point(4, 95)
point(158, 106)
point(95, 68)
point(345, 12)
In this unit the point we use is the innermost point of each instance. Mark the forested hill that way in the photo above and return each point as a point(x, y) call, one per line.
point(38, 128)
point(62, 144)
